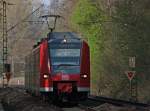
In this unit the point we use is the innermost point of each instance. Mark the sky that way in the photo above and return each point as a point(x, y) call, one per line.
point(47, 2)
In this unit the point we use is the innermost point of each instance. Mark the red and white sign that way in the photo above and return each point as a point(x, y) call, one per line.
point(130, 74)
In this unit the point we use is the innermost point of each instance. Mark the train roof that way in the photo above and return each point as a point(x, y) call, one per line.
point(59, 36)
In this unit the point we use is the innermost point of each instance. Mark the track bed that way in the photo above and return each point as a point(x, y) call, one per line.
point(16, 99)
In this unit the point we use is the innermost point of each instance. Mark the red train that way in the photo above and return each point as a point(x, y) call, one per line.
point(58, 68)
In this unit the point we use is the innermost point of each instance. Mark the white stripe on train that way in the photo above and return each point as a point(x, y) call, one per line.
point(49, 89)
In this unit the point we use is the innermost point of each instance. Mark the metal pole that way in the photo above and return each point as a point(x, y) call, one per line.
point(134, 89)
point(133, 80)
point(131, 90)
point(4, 39)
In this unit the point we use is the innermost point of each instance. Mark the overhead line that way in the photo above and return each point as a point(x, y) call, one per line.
point(24, 19)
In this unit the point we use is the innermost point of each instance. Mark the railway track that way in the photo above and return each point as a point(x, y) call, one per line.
point(116, 102)
point(78, 107)
point(90, 105)
point(95, 101)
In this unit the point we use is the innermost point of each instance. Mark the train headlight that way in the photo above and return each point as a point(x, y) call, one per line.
point(64, 40)
point(45, 76)
point(84, 76)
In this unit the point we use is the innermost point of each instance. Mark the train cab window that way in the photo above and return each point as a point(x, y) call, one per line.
point(65, 60)
point(65, 52)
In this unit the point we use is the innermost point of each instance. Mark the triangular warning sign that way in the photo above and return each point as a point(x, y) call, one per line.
point(130, 74)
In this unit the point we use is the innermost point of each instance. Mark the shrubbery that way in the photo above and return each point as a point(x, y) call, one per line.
point(113, 38)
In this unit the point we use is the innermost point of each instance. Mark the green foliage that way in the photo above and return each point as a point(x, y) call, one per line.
point(132, 19)
point(87, 18)
point(134, 34)
point(113, 39)
point(90, 21)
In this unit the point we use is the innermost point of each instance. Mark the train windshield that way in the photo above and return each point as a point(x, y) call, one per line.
point(65, 52)
point(65, 60)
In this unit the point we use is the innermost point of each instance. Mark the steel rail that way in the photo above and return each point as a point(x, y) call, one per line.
point(116, 101)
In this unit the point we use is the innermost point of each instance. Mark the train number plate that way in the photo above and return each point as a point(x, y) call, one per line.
point(65, 77)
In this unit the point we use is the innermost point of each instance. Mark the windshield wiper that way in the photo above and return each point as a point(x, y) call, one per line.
point(67, 65)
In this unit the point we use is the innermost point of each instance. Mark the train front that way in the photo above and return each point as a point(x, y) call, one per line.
point(70, 67)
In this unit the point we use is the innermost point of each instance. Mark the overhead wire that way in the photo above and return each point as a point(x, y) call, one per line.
point(14, 26)
point(24, 20)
